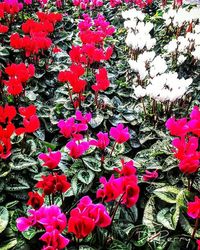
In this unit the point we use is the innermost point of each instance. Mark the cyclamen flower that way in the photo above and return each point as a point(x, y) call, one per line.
point(131, 191)
point(83, 118)
point(53, 183)
point(35, 200)
point(54, 240)
point(111, 188)
point(70, 128)
point(50, 217)
point(177, 127)
point(102, 142)
point(120, 134)
point(51, 160)
point(77, 150)
point(150, 175)
point(86, 216)
point(194, 208)
point(194, 123)
point(128, 168)
point(102, 82)
point(3, 29)
point(198, 244)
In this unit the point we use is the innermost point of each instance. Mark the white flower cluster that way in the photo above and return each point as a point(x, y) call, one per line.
point(181, 16)
point(138, 37)
point(185, 45)
point(165, 87)
point(148, 64)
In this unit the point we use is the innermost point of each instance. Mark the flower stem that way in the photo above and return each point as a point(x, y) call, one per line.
point(195, 228)
point(113, 148)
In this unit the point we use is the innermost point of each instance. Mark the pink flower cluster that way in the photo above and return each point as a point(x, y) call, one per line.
point(82, 221)
point(124, 188)
point(73, 128)
point(91, 4)
point(52, 220)
point(187, 143)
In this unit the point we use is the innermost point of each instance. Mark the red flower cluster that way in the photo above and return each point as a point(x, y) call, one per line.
point(30, 120)
point(102, 82)
point(35, 200)
point(73, 77)
point(37, 39)
point(3, 28)
point(7, 128)
point(53, 183)
point(124, 188)
point(18, 74)
point(86, 216)
point(92, 34)
point(188, 142)
point(194, 208)
point(10, 7)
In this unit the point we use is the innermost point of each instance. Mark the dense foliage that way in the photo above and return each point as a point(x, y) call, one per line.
point(99, 124)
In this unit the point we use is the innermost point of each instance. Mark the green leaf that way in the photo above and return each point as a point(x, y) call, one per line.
point(118, 245)
point(168, 217)
point(185, 224)
point(92, 163)
point(167, 193)
point(4, 217)
point(85, 176)
point(16, 214)
point(149, 214)
point(85, 247)
point(8, 244)
point(96, 121)
point(30, 233)
point(140, 236)
point(20, 162)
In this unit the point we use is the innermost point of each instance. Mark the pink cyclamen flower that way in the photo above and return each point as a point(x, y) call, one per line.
point(83, 118)
point(120, 134)
point(194, 208)
point(150, 175)
point(198, 244)
point(51, 160)
point(194, 123)
point(50, 217)
point(102, 142)
point(77, 150)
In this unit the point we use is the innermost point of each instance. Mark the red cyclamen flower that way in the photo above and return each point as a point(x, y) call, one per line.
point(194, 208)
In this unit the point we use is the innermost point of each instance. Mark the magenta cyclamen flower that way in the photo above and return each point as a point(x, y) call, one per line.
point(50, 217)
point(83, 118)
point(102, 141)
point(76, 150)
point(51, 160)
point(120, 134)
point(150, 175)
